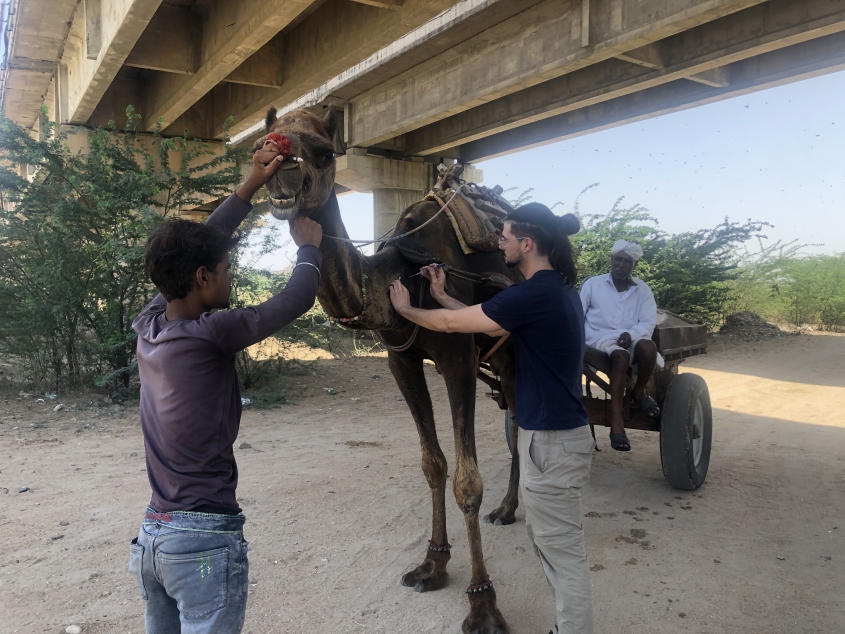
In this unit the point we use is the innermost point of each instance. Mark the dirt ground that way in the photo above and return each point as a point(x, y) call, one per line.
point(337, 509)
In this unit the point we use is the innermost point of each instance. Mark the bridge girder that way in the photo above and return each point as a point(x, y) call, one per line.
point(715, 54)
point(417, 80)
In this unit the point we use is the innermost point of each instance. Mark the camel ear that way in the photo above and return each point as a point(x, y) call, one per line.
point(270, 119)
point(331, 124)
point(330, 120)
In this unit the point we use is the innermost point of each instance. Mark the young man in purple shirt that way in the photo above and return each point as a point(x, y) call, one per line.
point(545, 319)
point(190, 557)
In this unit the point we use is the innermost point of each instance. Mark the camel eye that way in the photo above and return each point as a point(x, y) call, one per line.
point(328, 158)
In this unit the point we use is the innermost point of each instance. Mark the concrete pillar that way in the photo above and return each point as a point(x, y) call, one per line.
point(395, 184)
point(388, 204)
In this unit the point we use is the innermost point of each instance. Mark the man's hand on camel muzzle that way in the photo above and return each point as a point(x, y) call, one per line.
point(264, 165)
point(399, 296)
point(624, 340)
point(305, 231)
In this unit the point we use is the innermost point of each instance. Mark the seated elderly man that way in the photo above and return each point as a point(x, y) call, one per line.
point(620, 314)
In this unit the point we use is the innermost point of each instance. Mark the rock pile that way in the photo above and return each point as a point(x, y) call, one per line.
point(748, 326)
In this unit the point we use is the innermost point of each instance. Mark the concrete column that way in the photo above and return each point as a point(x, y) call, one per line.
point(395, 184)
point(388, 204)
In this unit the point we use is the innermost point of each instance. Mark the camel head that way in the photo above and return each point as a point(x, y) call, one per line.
point(305, 181)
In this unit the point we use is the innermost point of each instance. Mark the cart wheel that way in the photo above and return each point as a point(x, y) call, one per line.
point(508, 434)
point(686, 432)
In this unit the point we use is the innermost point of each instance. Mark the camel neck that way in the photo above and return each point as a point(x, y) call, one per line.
point(342, 275)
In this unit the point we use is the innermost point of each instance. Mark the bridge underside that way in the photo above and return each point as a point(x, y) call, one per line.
point(418, 81)
point(547, 74)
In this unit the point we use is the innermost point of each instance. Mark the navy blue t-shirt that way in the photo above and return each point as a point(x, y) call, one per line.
point(546, 322)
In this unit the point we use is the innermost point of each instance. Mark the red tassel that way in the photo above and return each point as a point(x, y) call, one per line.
point(281, 142)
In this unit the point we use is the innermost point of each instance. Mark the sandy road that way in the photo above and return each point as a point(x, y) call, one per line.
point(338, 509)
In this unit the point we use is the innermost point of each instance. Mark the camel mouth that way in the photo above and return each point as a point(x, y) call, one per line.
point(285, 208)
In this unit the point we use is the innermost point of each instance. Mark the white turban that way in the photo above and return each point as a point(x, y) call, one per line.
point(631, 248)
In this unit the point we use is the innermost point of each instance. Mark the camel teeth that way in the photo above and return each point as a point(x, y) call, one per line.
point(281, 203)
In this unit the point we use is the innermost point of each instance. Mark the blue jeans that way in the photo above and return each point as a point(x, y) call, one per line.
point(192, 572)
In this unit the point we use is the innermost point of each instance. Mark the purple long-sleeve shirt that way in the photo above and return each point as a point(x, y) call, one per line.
point(190, 397)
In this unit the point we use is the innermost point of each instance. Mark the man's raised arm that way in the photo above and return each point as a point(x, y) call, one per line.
point(231, 213)
point(240, 328)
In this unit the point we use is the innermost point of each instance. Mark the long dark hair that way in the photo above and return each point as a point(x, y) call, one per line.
point(550, 233)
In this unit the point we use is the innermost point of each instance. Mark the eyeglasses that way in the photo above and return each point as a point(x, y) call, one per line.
point(503, 241)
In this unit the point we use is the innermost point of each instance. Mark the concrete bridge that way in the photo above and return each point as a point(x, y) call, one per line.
point(418, 81)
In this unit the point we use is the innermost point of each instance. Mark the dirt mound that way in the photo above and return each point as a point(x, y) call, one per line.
point(748, 326)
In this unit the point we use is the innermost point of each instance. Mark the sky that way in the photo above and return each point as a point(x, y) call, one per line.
point(777, 155)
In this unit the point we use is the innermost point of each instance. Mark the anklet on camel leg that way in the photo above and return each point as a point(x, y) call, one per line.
point(438, 549)
point(480, 587)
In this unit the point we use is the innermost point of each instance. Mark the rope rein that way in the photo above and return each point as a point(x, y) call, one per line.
point(382, 238)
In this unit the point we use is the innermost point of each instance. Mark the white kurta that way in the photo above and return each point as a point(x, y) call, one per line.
point(608, 313)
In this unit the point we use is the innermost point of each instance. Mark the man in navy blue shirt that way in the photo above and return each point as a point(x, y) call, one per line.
point(545, 319)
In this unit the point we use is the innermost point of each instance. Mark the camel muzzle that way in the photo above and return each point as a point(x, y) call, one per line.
point(284, 191)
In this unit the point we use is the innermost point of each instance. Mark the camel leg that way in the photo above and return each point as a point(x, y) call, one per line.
point(504, 365)
point(458, 367)
point(409, 375)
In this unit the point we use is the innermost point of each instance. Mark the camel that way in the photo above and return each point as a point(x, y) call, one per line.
point(353, 290)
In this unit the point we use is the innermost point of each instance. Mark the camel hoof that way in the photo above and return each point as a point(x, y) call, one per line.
point(435, 581)
point(467, 629)
point(426, 578)
point(499, 517)
point(484, 615)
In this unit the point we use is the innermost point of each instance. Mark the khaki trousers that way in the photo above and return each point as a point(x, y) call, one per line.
point(553, 466)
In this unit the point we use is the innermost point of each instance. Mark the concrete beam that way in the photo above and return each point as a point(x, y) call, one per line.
point(649, 56)
point(124, 91)
point(93, 28)
point(120, 24)
point(463, 20)
point(395, 185)
point(171, 43)
point(232, 32)
point(35, 38)
point(77, 142)
point(200, 121)
point(262, 68)
point(541, 43)
point(362, 173)
point(715, 77)
point(333, 39)
point(801, 61)
point(585, 22)
point(703, 53)
point(395, 5)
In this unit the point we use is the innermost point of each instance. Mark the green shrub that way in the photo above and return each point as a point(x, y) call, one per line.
point(72, 231)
